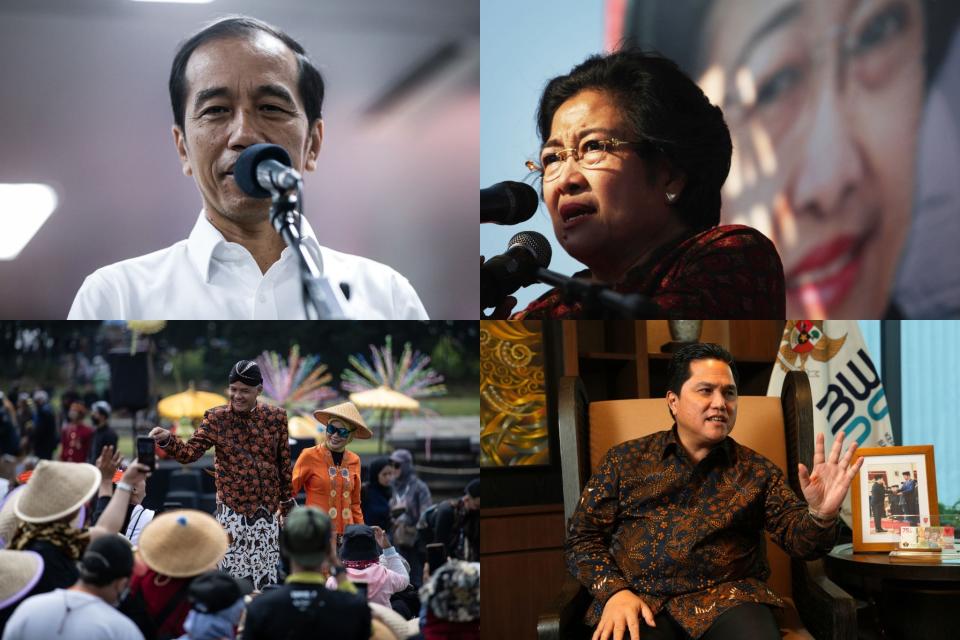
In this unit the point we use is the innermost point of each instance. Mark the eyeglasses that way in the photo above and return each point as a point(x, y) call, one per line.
point(332, 429)
point(591, 155)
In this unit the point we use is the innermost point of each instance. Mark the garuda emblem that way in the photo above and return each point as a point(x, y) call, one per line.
point(803, 339)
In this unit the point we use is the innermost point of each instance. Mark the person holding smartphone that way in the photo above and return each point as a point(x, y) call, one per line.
point(252, 473)
point(372, 561)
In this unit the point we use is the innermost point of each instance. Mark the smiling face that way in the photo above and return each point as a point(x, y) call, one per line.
point(706, 408)
point(335, 441)
point(823, 99)
point(608, 216)
point(242, 396)
point(241, 91)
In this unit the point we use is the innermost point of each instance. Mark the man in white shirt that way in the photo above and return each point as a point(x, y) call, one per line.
point(86, 610)
point(236, 83)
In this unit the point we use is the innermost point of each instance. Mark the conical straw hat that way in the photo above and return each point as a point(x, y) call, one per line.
point(183, 543)
point(347, 412)
point(55, 490)
point(8, 520)
point(20, 570)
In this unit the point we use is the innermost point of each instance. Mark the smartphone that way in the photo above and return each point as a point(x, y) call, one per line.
point(361, 588)
point(145, 452)
point(436, 556)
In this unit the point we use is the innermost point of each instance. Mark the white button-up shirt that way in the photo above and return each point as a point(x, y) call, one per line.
point(205, 277)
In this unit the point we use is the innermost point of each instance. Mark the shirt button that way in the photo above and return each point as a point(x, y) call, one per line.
point(263, 298)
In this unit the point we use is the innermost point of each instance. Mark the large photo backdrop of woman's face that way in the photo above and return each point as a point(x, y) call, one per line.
point(845, 120)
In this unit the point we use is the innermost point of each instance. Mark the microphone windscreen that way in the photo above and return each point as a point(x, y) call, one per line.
point(536, 244)
point(508, 203)
point(245, 169)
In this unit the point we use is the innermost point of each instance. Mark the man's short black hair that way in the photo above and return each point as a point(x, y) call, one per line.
point(309, 84)
point(678, 371)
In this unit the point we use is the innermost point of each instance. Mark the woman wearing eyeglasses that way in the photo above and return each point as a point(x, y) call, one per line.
point(328, 473)
point(632, 160)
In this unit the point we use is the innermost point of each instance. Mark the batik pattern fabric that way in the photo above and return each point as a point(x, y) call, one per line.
point(252, 458)
point(253, 552)
point(730, 271)
point(687, 537)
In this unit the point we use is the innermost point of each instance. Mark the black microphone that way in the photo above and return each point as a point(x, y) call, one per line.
point(263, 169)
point(508, 203)
point(527, 252)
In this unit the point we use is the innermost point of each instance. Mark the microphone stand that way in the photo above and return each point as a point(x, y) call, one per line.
point(597, 297)
point(321, 301)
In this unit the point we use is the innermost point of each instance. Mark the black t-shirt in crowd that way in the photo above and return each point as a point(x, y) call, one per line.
point(307, 610)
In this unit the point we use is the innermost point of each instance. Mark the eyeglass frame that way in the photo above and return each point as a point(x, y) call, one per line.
point(343, 432)
point(607, 145)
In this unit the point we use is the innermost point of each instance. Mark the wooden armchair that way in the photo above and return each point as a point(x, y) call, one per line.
point(780, 429)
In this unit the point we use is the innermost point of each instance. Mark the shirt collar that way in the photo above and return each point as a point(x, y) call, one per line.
point(205, 239)
point(306, 577)
point(670, 443)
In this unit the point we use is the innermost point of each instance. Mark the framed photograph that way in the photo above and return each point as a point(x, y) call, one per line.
point(896, 487)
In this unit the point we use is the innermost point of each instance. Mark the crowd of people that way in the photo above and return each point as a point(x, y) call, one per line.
point(81, 556)
point(31, 429)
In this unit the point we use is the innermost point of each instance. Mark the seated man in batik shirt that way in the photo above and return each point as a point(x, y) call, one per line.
point(668, 535)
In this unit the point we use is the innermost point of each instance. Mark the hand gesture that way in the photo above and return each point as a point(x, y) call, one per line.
point(107, 462)
point(622, 614)
point(159, 435)
point(381, 537)
point(135, 473)
point(827, 486)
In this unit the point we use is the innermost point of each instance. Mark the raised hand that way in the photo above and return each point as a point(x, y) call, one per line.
point(825, 488)
point(135, 473)
point(381, 537)
point(159, 435)
point(107, 462)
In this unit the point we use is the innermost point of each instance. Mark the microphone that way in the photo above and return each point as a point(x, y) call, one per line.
point(527, 252)
point(263, 169)
point(508, 203)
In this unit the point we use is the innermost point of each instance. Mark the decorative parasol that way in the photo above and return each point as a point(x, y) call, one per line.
point(389, 402)
point(189, 404)
point(383, 397)
point(390, 385)
point(303, 428)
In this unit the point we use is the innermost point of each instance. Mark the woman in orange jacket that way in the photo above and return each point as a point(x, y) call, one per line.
point(328, 473)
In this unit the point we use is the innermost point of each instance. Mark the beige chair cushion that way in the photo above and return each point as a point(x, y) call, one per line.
point(759, 426)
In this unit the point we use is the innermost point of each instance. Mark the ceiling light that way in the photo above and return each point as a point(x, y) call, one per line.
point(23, 210)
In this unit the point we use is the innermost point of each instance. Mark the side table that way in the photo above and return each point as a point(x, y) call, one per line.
point(909, 599)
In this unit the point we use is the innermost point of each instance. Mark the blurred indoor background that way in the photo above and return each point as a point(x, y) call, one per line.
point(84, 109)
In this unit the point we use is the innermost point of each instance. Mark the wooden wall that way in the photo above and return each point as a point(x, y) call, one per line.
point(521, 557)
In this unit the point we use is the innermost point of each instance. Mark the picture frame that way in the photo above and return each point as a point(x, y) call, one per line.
point(902, 482)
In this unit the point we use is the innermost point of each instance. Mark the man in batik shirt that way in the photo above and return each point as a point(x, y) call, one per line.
point(252, 470)
point(668, 535)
